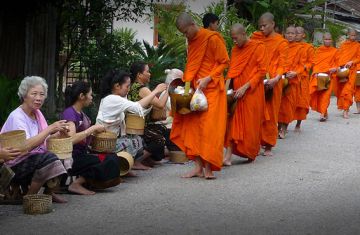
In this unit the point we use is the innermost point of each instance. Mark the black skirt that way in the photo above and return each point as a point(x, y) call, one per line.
point(92, 166)
point(154, 138)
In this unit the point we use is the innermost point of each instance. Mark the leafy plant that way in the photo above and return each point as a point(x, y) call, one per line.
point(159, 58)
point(8, 96)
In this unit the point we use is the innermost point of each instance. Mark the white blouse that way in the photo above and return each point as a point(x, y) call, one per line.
point(112, 111)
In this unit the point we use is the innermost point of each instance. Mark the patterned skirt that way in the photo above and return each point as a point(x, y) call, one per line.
point(38, 167)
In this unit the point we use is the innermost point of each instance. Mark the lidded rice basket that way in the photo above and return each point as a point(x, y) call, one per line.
point(178, 157)
point(13, 139)
point(62, 147)
point(134, 124)
point(126, 162)
point(37, 204)
point(104, 142)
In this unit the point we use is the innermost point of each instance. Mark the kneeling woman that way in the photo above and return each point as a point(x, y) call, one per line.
point(37, 166)
point(115, 87)
point(154, 133)
point(94, 170)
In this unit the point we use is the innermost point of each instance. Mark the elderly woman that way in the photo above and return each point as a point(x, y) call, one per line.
point(38, 165)
point(100, 169)
point(154, 133)
point(114, 89)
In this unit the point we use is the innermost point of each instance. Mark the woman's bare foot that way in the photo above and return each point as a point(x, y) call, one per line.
point(131, 174)
point(139, 166)
point(194, 173)
point(58, 199)
point(79, 189)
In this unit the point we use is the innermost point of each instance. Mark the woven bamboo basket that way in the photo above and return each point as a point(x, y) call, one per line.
point(62, 147)
point(13, 139)
point(323, 81)
point(358, 78)
point(104, 142)
point(126, 162)
point(37, 204)
point(178, 157)
point(134, 124)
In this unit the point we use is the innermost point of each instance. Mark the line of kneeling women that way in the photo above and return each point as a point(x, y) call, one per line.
point(36, 166)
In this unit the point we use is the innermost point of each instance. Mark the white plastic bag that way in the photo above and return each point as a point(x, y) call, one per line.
point(198, 101)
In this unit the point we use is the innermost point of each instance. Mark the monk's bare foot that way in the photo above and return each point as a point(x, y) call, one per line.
point(322, 119)
point(194, 173)
point(58, 199)
point(297, 129)
point(140, 166)
point(346, 114)
point(268, 153)
point(282, 134)
point(227, 162)
point(209, 175)
point(79, 189)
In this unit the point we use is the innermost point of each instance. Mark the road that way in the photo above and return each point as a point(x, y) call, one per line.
point(310, 186)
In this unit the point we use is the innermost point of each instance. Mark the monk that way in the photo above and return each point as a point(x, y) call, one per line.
point(247, 69)
point(277, 49)
point(347, 56)
point(324, 62)
point(303, 100)
point(295, 68)
point(357, 90)
point(201, 134)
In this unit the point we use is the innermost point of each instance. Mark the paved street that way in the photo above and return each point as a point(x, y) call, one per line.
point(310, 186)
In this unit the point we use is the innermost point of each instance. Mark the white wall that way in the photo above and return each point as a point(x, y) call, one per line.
point(145, 28)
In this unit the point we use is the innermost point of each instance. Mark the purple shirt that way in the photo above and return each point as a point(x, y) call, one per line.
point(82, 122)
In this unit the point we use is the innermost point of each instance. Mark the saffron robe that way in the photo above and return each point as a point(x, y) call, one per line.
point(324, 60)
point(344, 91)
point(295, 61)
point(202, 133)
point(277, 50)
point(247, 64)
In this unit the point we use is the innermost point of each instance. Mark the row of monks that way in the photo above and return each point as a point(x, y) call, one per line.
point(275, 82)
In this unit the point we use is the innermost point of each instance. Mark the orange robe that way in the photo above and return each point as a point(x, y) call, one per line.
point(303, 100)
point(324, 60)
point(357, 88)
point(247, 64)
point(296, 61)
point(348, 51)
point(276, 49)
point(202, 133)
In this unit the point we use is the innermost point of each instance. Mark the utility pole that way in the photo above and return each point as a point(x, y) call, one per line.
point(325, 8)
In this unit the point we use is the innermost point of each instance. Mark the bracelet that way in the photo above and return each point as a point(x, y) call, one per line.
point(86, 133)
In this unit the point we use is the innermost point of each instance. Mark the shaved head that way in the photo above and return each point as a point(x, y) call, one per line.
point(290, 34)
point(267, 16)
point(184, 19)
point(300, 34)
point(267, 24)
point(352, 34)
point(238, 34)
point(186, 25)
point(327, 39)
point(238, 28)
